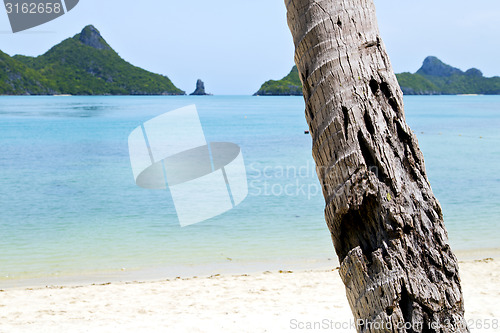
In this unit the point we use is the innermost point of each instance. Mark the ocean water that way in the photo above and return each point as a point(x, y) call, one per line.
point(69, 207)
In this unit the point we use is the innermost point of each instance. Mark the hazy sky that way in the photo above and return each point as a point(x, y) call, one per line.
point(235, 45)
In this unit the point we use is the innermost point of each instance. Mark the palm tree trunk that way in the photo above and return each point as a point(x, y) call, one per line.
point(387, 227)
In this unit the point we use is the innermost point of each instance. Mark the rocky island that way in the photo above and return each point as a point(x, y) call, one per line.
point(433, 78)
point(82, 65)
point(200, 89)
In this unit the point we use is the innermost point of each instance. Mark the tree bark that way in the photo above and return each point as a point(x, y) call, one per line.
point(387, 227)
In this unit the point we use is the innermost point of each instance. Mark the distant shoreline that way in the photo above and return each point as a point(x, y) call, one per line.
point(191, 271)
point(238, 95)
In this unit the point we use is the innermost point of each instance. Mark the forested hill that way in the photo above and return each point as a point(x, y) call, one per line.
point(433, 78)
point(82, 65)
point(437, 78)
point(290, 85)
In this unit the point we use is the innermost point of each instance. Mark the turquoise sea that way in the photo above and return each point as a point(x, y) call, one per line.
point(70, 210)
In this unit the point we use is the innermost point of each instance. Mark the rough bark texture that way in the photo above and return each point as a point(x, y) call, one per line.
point(387, 226)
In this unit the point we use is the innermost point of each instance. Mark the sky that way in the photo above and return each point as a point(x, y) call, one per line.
point(236, 45)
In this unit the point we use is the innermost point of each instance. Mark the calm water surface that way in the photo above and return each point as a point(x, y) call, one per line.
point(69, 205)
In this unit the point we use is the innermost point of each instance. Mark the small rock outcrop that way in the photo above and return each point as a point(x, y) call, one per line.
point(90, 36)
point(200, 89)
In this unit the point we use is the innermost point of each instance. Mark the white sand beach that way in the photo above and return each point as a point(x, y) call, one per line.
point(263, 302)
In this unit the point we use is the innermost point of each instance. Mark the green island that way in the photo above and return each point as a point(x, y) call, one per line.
point(433, 78)
point(82, 65)
point(290, 85)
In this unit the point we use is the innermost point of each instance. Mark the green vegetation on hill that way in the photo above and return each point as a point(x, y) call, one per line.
point(433, 78)
point(438, 78)
point(414, 84)
point(18, 79)
point(290, 85)
point(82, 65)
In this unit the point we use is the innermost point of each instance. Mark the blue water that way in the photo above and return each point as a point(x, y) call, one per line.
point(69, 205)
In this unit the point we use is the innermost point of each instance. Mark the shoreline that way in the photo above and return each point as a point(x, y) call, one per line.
point(202, 270)
point(150, 274)
point(268, 301)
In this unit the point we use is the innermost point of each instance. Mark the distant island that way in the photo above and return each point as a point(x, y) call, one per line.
point(82, 65)
point(433, 78)
point(290, 85)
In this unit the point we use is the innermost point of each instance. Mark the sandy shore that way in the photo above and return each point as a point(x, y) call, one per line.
point(265, 302)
